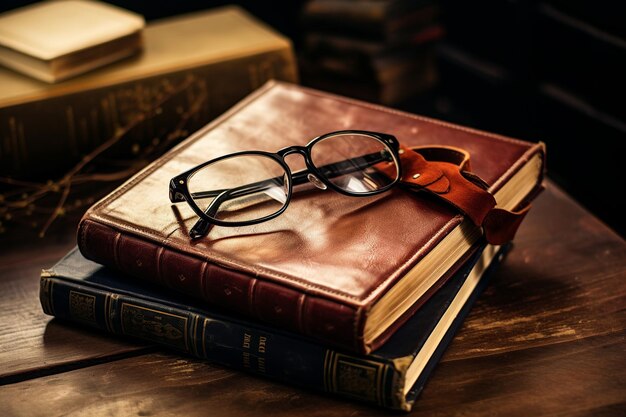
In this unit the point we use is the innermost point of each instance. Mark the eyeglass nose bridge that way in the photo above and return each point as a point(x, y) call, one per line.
point(302, 150)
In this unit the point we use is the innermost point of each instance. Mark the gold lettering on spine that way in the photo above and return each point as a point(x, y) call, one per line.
point(246, 340)
point(262, 349)
point(262, 344)
point(246, 345)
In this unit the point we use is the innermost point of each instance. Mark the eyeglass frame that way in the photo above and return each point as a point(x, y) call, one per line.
point(179, 191)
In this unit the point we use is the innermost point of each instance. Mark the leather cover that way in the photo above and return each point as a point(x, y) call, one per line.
point(81, 291)
point(319, 267)
point(444, 171)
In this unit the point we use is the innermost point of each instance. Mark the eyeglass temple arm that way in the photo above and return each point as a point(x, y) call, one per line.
point(202, 226)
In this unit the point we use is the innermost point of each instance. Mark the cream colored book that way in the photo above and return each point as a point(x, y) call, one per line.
point(56, 40)
point(202, 63)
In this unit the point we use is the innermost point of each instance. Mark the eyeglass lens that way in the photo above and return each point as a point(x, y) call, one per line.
point(353, 162)
point(240, 188)
point(248, 187)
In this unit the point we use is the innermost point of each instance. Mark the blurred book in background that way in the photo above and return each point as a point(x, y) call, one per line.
point(542, 70)
point(377, 50)
point(56, 40)
point(64, 145)
point(193, 68)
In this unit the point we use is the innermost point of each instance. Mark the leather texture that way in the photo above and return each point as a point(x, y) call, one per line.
point(317, 268)
point(444, 171)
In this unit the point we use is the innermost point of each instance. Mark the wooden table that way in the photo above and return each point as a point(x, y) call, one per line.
point(546, 338)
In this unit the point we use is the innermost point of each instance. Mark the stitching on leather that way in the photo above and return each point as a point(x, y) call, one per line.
point(261, 272)
point(222, 261)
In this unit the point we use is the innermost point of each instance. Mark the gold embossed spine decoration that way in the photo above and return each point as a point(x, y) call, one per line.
point(83, 307)
point(158, 326)
point(354, 377)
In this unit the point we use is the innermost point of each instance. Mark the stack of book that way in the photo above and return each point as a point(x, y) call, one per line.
point(377, 50)
point(192, 68)
point(353, 296)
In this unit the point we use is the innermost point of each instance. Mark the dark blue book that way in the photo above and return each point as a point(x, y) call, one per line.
point(82, 291)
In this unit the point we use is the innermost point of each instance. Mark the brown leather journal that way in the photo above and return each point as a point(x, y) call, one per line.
point(343, 270)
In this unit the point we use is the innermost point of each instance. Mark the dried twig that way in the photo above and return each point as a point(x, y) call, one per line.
point(21, 199)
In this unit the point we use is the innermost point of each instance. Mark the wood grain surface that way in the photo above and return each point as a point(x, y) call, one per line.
point(30, 343)
point(547, 338)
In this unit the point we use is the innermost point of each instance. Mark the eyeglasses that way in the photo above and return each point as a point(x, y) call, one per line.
point(251, 187)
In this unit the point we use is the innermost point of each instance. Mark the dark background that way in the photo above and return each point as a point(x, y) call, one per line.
point(538, 70)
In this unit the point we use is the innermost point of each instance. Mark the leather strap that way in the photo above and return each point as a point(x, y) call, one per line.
point(444, 171)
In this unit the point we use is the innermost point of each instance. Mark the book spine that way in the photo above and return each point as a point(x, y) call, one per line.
point(363, 12)
point(146, 109)
point(376, 19)
point(325, 320)
point(230, 343)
